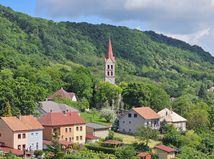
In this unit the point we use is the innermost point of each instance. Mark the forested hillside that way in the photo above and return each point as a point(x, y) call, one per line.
point(46, 55)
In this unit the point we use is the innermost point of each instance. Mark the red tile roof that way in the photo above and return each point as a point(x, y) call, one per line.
point(109, 54)
point(165, 148)
point(61, 119)
point(62, 142)
point(146, 112)
point(61, 93)
point(91, 137)
point(13, 151)
point(113, 142)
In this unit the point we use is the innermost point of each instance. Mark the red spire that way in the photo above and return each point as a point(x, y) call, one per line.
point(109, 54)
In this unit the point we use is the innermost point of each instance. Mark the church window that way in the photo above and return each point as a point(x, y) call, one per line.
point(108, 73)
point(108, 66)
point(111, 73)
point(111, 66)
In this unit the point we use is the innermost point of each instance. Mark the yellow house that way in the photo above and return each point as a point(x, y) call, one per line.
point(70, 126)
point(165, 152)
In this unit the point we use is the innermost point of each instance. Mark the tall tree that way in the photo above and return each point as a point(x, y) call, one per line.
point(7, 110)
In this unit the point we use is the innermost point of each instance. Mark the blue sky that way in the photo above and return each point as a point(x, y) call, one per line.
point(188, 20)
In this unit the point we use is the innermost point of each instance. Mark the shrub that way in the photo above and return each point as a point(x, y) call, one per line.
point(102, 149)
point(108, 114)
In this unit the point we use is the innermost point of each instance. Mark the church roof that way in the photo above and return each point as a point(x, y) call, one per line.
point(109, 54)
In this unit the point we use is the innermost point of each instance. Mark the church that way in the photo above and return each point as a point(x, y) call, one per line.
point(110, 61)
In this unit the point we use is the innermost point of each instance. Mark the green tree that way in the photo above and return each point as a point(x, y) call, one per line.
point(108, 114)
point(190, 153)
point(144, 134)
point(211, 116)
point(198, 120)
point(191, 139)
point(7, 110)
point(127, 152)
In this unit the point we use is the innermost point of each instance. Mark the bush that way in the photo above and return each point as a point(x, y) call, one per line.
point(102, 149)
point(125, 152)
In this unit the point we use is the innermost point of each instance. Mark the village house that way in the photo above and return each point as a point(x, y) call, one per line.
point(62, 94)
point(144, 155)
point(165, 152)
point(136, 117)
point(51, 106)
point(22, 133)
point(173, 118)
point(97, 130)
point(69, 126)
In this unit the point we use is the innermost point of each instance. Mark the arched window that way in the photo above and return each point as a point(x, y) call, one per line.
point(111, 73)
point(111, 66)
point(108, 73)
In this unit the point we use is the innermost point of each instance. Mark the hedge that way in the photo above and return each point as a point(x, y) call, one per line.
point(100, 148)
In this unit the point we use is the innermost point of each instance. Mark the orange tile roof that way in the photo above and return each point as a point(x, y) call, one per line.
point(23, 123)
point(143, 154)
point(61, 119)
point(91, 137)
point(31, 122)
point(146, 112)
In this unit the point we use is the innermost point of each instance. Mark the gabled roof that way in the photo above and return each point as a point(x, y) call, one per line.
point(91, 137)
point(109, 54)
point(96, 126)
point(170, 116)
point(165, 148)
point(50, 106)
point(146, 112)
point(23, 123)
point(61, 119)
point(61, 93)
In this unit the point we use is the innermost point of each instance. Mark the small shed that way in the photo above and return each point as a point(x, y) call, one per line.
point(165, 152)
point(97, 130)
point(91, 138)
point(144, 155)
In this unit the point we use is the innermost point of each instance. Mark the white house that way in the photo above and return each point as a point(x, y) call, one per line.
point(34, 134)
point(136, 117)
point(173, 118)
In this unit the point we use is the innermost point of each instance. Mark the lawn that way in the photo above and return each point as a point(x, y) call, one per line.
point(129, 139)
point(95, 118)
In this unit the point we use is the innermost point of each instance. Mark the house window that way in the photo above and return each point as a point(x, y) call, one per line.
point(37, 145)
point(123, 122)
point(19, 136)
point(32, 134)
point(23, 136)
point(77, 138)
point(77, 128)
point(124, 130)
point(0, 134)
point(19, 147)
point(70, 139)
point(80, 128)
point(129, 122)
point(80, 137)
point(129, 115)
point(130, 130)
point(69, 129)
point(23, 147)
point(66, 139)
point(66, 129)
point(135, 115)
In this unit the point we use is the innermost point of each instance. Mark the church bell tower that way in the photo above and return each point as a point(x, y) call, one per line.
point(110, 64)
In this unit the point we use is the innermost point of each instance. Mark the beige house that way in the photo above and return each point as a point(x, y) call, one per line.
point(136, 117)
point(97, 130)
point(173, 118)
point(165, 152)
point(16, 132)
point(70, 126)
